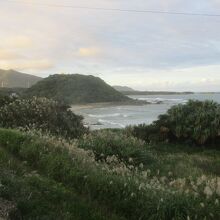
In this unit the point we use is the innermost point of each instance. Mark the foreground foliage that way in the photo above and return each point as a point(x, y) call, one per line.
point(130, 191)
point(41, 114)
point(105, 143)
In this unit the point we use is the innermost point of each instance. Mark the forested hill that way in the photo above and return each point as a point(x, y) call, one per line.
point(76, 89)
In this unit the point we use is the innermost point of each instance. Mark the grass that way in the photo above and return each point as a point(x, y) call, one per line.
point(106, 143)
point(38, 196)
point(51, 179)
point(185, 160)
point(181, 159)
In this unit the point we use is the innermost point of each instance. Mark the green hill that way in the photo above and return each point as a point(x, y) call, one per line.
point(14, 79)
point(75, 89)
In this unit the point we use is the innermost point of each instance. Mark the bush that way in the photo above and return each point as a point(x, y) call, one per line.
point(148, 133)
point(4, 99)
point(41, 114)
point(196, 122)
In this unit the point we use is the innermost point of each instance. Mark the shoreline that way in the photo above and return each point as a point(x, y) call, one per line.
point(76, 107)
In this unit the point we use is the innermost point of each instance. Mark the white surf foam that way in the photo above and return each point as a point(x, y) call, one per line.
point(111, 123)
point(108, 115)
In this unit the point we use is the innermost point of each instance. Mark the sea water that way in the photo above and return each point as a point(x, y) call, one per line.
point(122, 116)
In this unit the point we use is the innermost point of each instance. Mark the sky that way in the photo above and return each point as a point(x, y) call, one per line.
point(145, 51)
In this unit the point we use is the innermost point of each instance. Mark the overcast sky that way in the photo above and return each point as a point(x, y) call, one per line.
point(142, 50)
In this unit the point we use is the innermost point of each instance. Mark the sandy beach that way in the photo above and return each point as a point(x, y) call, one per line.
point(78, 107)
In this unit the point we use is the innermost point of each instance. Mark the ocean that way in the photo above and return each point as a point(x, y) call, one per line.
point(122, 116)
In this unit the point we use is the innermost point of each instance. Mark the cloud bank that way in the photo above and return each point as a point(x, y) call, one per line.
point(160, 51)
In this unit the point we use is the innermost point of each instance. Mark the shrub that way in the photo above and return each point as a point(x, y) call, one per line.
point(196, 122)
point(41, 114)
point(148, 133)
point(4, 99)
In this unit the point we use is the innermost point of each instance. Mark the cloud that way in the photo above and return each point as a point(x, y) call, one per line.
point(132, 45)
point(18, 42)
point(9, 55)
point(215, 3)
point(30, 65)
point(88, 52)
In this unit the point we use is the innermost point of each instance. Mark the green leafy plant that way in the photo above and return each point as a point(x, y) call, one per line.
point(40, 114)
point(196, 122)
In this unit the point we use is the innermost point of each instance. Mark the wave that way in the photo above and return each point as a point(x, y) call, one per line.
point(108, 115)
point(111, 123)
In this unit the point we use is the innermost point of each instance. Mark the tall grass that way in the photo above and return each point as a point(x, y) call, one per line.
point(129, 190)
point(105, 143)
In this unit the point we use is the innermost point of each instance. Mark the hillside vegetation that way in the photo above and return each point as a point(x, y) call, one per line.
point(75, 89)
point(51, 179)
point(12, 91)
point(14, 79)
point(65, 172)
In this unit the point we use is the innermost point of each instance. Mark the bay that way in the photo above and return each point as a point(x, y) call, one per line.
point(124, 115)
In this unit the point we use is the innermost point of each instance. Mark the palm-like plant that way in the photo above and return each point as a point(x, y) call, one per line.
point(197, 121)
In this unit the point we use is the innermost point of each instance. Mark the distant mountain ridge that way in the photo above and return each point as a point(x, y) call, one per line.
point(76, 89)
point(123, 88)
point(129, 91)
point(135, 92)
point(15, 79)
